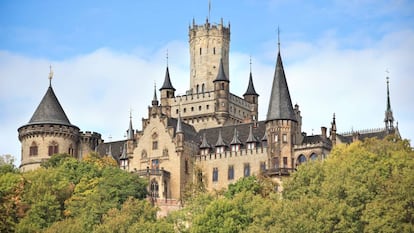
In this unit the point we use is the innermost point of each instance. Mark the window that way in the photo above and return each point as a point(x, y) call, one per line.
point(207, 106)
point(186, 166)
point(199, 108)
point(230, 174)
point(246, 169)
point(301, 159)
point(200, 51)
point(154, 188)
point(235, 148)
point(215, 174)
point(251, 145)
point(176, 111)
point(155, 164)
point(222, 86)
point(53, 148)
point(33, 149)
point(192, 109)
point(185, 110)
point(284, 138)
point(70, 150)
point(285, 159)
point(313, 156)
point(276, 137)
point(197, 89)
point(276, 162)
point(202, 88)
point(200, 176)
point(219, 149)
point(262, 166)
point(214, 50)
point(155, 145)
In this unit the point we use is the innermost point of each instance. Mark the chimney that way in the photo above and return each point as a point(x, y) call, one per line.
point(323, 132)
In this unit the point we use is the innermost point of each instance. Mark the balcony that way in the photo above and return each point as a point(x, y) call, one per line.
point(278, 171)
point(153, 172)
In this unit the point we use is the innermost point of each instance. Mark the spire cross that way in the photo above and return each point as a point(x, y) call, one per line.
point(278, 38)
point(50, 75)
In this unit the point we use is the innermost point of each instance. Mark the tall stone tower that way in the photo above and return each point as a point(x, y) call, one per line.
point(208, 44)
point(48, 132)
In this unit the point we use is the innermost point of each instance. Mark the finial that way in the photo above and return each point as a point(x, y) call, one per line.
point(209, 9)
point(278, 38)
point(167, 57)
point(250, 63)
point(130, 113)
point(50, 75)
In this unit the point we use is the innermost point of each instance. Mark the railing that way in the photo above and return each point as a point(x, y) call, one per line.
point(278, 171)
point(153, 172)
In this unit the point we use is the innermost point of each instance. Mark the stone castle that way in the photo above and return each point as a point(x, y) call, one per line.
point(208, 135)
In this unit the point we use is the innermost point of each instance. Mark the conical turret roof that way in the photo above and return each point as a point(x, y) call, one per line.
point(250, 88)
point(221, 75)
point(49, 111)
point(235, 140)
point(167, 81)
point(280, 104)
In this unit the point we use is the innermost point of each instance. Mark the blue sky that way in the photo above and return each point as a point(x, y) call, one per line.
point(106, 55)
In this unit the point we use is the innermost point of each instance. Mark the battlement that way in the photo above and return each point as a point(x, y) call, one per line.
point(90, 134)
point(207, 26)
point(33, 130)
point(189, 98)
point(240, 102)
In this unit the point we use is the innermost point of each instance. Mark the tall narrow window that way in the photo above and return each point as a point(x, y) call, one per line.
point(186, 166)
point(53, 148)
point(154, 188)
point(200, 51)
point(285, 159)
point(230, 174)
point(246, 169)
point(197, 87)
point(155, 145)
point(262, 166)
point(284, 138)
point(33, 149)
point(202, 88)
point(214, 50)
point(215, 174)
point(155, 164)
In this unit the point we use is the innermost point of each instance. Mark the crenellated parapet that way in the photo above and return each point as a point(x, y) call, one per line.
point(48, 130)
point(225, 155)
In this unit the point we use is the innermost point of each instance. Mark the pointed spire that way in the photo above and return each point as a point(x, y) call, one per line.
point(333, 124)
point(49, 110)
point(221, 75)
point(250, 87)
point(155, 99)
point(204, 143)
point(251, 137)
point(220, 141)
point(280, 104)
point(389, 118)
point(167, 81)
point(130, 131)
point(235, 140)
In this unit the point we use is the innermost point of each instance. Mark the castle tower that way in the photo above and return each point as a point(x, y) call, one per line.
point(252, 97)
point(167, 91)
point(389, 118)
point(281, 121)
point(208, 44)
point(48, 132)
point(221, 90)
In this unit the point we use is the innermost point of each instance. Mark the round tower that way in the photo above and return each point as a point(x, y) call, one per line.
point(208, 44)
point(221, 95)
point(48, 132)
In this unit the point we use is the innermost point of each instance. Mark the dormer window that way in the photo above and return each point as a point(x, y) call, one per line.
point(251, 145)
point(235, 148)
point(219, 149)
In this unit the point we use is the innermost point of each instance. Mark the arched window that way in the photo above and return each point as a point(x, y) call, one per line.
point(154, 188)
point(33, 149)
point(53, 148)
point(200, 51)
point(301, 159)
point(202, 88)
point(197, 88)
point(313, 156)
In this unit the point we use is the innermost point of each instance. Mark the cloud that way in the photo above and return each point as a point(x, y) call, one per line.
point(98, 89)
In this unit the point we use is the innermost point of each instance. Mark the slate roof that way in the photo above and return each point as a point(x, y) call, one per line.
point(221, 75)
point(280, 104)
point(314, 139)
point(167, 81)
point(250, 88)
point(364, 134)
point(190, 134)
point(49, 111)
point(227, 133)
point(116, 149)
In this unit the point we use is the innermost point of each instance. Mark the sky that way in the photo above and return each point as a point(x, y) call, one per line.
point(107, 55)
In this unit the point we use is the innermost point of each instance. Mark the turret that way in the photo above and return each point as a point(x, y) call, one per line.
point(281, 121)
point(153, 109)
point(167, 91)
point(221, 94)
point(208, 44)
point(131, 143)
point(179, 135)
point(48, 132)
point(333, 131)
point(252, 97)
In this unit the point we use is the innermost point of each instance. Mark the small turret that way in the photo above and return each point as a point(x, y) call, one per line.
point(167, 91)
point(252, 97)
point(221, 89)
point(333, 131)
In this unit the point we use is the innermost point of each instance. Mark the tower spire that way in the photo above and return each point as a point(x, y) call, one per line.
point(130, 132)
point(278, 39)
point(155, 99)
point(389, 118)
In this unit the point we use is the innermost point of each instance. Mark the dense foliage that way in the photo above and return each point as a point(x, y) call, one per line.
point(363, 187)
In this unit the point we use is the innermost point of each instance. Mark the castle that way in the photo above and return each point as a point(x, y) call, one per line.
point(208, 135)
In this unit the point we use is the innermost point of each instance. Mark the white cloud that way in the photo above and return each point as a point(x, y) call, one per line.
point(98, 89)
